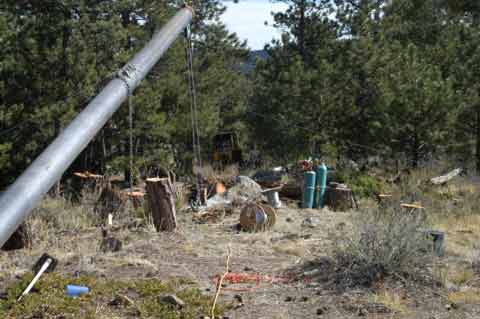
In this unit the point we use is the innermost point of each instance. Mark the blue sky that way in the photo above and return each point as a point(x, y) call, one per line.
point(247, 19)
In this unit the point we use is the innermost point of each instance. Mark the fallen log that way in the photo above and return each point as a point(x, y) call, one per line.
point(161, 200)
point(441, 180)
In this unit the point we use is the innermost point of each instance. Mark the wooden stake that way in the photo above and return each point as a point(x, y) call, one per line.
point(220, 282)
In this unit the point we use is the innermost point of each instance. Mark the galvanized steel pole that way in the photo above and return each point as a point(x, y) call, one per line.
point(21, 197)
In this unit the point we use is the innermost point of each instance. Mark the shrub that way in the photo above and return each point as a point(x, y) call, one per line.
point(386, 242)
point(366, 185)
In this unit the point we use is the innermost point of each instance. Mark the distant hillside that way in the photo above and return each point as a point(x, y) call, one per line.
point(249, 65)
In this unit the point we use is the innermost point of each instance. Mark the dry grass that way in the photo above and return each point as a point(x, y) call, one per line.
point(471, 296)
point(460, 276)
point(393, 300)
point(380, 242)
point(462, 233)
point(297, 248)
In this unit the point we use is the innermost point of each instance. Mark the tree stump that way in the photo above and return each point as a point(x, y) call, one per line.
point(161, 200)
point(110, 201)
point(339, 198)
point(20, 239)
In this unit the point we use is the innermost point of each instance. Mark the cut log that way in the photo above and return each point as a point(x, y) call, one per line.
point(339, 198)
point(20, 239)
point(446, 178)
point(161, 200)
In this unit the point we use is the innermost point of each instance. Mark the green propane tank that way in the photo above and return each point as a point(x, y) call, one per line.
point(320, 186)
point(309, 189)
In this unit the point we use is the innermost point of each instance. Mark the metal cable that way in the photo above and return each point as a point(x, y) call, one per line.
point(193, 107)
point(193, 99)
point(130, 124)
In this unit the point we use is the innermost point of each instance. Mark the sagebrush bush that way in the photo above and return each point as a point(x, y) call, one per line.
point(387, 241)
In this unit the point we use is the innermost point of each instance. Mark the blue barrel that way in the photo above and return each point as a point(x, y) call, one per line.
point(309, 189)
point(320, 186)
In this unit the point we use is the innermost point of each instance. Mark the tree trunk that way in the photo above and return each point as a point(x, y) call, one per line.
point(21, 238)
point(161, 199)
point(477, 137)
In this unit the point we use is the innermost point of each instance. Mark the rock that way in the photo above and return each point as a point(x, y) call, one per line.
point(238, 298)
point(134, 313)
point(119, 301)
point(362, 312)
point(313, 272)
point(172, 300)
point(450, 286)
point(320, 311)
point(19, 273)
point(137, 223)
point(311, 222)
point(240, 305)
point(453, 306)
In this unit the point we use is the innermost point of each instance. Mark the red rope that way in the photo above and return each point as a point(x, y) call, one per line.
point(244, 278)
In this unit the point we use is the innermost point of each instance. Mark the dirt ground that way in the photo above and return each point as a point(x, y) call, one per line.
point(288, 257)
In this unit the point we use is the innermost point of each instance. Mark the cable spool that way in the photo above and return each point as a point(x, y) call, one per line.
point(271, 215)
point(256, 217)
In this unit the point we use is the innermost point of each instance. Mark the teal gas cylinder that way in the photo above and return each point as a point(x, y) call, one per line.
point(320, 186)
point(308, 189)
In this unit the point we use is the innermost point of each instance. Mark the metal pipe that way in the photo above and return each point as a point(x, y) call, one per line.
point(21, 197)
